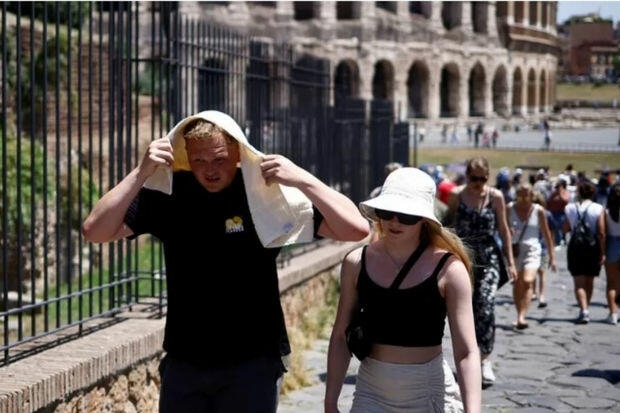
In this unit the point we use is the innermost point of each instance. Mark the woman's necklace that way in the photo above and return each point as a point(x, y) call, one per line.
point(395, 263)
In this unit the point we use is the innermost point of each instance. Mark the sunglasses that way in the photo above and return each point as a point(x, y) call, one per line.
point(474, 178)
point(402, 218)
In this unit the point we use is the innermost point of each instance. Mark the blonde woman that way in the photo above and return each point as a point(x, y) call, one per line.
point(527, 221)
point(405, 370)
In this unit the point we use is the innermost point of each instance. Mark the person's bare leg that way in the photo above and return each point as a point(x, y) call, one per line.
point(541, 285)
point(589, 287)
point(613, 280)
point(580, 292)
point(523, 293)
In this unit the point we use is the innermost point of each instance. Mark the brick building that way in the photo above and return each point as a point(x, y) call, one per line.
point(588, 47)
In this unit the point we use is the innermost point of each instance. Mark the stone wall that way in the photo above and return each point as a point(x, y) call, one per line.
point(115, 369)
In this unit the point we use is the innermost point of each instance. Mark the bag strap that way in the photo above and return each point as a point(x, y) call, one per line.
point(582, 218)
point(441, 263)
point(415, 256)
point(529, 214)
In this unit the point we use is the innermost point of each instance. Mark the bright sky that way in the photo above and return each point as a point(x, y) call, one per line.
point(607, 9)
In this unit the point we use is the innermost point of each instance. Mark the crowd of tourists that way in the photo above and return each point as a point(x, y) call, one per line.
point(439, 250)
point(574, 201)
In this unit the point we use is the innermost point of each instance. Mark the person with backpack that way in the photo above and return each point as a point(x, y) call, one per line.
point(585, 253)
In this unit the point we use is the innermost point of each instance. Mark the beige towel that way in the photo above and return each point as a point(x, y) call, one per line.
point(282, 215)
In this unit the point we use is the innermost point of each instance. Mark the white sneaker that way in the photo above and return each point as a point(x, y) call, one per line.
point(488, 377)
point(612, 319)
point(583, 318)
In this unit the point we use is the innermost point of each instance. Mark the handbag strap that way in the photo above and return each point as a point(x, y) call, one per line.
point(441, 263)
point(529, 214)
point(415, 256)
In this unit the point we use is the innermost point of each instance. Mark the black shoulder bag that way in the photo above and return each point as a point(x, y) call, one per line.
point(358, 340)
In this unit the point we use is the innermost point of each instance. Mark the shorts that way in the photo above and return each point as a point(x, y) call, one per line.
point(389, 387)
point(612, 245)
point(584, 264)
point(529, 257)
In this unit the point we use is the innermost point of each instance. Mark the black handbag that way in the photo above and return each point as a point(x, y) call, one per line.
point(357, 335)
point(358, 341)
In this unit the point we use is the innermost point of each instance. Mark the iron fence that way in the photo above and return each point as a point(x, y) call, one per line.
point(85, 87)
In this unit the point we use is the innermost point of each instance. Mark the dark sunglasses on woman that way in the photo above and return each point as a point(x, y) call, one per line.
point(474, 178)
point(402, 218)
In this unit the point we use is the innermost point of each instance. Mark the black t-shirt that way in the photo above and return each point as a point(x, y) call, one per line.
point(222, 284)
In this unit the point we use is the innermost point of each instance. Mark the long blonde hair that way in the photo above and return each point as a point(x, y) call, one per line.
point(446, 238)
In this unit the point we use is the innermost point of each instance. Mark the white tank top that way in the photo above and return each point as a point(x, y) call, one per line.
point(531, 228)
point(613, 228)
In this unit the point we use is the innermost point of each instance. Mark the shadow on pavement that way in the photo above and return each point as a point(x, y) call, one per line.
point(612, 376)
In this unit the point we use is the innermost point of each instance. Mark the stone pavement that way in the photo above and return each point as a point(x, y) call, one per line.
point(553, 366)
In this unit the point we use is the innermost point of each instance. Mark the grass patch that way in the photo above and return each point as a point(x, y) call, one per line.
point(587, 162)
point(315, 323)
point(587, 91)
point(89, 295)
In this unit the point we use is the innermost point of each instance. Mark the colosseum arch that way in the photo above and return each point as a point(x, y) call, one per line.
point(479, 16)
point(519, 11)
point(542, 94)
point(420, 7)
point(500, 91)
point(305, 10)
point(451, 14)
point(348, 10)
point(517, 91)
point(533, 9)
point(390, 6)
point(418, 90)
point(476, 90)
point(383, 81)
point(449, 90)
point(346, 80)
point(531, 91)
point(545, 15)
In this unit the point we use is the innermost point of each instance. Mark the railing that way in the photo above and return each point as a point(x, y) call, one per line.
point(85, 87)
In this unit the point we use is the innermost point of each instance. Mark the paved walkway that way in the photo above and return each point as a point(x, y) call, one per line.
point(553, 366)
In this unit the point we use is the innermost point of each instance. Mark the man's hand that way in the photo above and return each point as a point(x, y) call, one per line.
point(278, 169)
point(158, 154)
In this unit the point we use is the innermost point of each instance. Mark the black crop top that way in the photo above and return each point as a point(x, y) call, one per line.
point(408, 317)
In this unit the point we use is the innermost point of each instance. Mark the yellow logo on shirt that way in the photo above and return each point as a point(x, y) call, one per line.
point(234, 224)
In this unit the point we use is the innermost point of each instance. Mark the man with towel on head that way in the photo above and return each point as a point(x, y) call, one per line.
point(222, 210)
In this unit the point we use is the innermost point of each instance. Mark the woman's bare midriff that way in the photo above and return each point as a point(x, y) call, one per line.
point(404, 355)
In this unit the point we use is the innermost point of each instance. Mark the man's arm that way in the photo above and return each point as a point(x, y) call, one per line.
point(105, 222)
point(342, 219)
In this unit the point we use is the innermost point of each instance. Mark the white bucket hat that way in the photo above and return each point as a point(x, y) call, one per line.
point(282, 214)
point(407, 191)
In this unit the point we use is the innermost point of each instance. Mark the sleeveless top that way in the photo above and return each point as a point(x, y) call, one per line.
point(613, 227)
point(476, 227)
point(530, 228)
point(408, 317)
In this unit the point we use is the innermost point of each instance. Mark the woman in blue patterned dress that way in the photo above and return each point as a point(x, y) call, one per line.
point(479, 212)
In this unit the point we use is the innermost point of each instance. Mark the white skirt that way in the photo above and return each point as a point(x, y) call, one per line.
point(389, 387)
